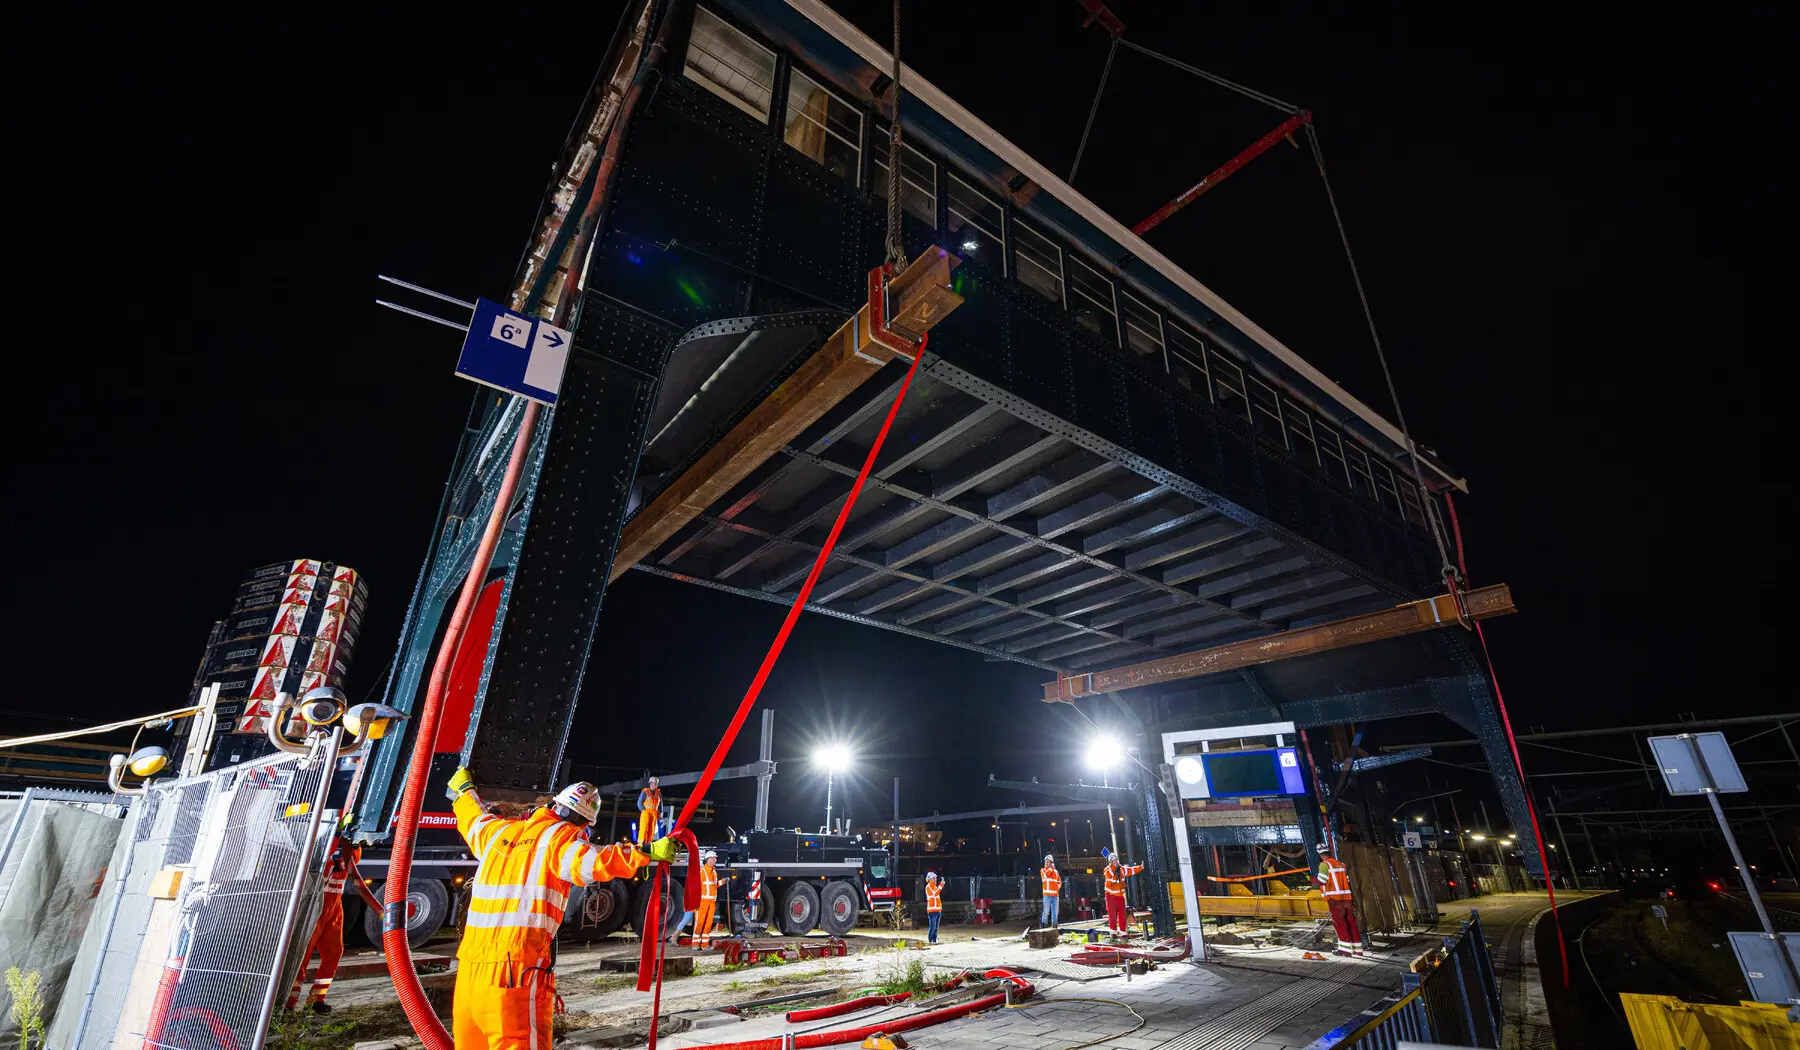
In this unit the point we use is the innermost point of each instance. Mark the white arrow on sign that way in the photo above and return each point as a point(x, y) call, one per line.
point(549, 354)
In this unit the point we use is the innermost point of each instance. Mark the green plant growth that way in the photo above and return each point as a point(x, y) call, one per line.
point(27, 1005)
point(900, 918)
point(905, 977)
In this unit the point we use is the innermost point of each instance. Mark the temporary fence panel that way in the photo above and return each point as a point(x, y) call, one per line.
point(54, 848)
point(1456, 1003)
point(197, 965)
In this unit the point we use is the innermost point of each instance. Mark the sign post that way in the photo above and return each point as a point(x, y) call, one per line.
point(1702, 764)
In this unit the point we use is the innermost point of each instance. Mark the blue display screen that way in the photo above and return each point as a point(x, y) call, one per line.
point(1240, 774)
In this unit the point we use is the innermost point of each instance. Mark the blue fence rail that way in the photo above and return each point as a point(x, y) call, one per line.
point(1455, 1003)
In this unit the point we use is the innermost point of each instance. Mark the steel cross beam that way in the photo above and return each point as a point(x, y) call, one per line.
point(1072, 554)
point(1015, 811)
point(852, 355)
point(1397, 622)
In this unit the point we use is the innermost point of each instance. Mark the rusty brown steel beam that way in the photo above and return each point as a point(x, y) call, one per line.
point(921, 296)
point(1412, 618)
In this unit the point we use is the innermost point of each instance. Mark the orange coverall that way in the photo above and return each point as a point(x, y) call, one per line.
point(328, 933)
point(1117, 916)
point(505, 991)
point(709, 898)
point(649, 811)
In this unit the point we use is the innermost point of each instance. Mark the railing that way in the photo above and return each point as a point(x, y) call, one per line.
point(1455, 1003)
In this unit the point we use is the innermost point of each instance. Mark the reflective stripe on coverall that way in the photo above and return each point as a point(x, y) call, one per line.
point(1334, 885)
point(504, 989)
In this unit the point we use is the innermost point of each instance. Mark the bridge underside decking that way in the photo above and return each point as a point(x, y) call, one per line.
point(980, 529)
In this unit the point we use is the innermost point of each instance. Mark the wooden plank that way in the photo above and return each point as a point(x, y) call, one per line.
point(846, 360)
point(1412, 618)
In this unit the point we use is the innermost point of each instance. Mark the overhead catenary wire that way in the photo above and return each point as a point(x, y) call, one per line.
point(1230, 85)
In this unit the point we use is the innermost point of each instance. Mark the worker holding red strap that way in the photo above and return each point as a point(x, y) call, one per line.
point(505, 991)
point(1118, 918)
point(1334, 885)
point(328, 934)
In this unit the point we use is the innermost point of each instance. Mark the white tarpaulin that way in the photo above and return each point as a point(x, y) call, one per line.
point(57, 869)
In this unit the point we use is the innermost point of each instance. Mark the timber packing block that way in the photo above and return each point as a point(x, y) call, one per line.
point(1045, 938)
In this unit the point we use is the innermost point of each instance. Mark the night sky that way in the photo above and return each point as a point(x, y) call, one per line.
point(1566, 220)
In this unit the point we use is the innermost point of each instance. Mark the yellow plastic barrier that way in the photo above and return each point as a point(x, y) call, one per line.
point(1662, 1022)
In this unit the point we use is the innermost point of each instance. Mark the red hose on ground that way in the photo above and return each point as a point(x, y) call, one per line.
point(899, 1024)
point(647, 970)
point(393, 929)
point(819, 1013)
point(1462, 566)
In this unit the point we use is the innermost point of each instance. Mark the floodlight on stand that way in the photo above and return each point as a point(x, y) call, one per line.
point(1104, 752)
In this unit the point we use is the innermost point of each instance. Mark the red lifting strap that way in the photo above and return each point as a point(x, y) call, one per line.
point(649, 958)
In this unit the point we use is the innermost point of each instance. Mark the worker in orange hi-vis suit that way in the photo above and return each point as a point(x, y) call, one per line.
point(328, 933)
point(1052, 881)
point(934, 905)
point(709, 899)
point(1117, 917)
point(1334, 885)
point(649, 812)
point(505, 991)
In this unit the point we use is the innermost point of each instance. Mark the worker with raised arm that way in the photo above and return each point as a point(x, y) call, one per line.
point(649, 812)
point(934, 905)
point(505, 990)
point(328, 933)
point(709, 898)
point(1334, 885)
point(1118, 917)
point(1052, 880)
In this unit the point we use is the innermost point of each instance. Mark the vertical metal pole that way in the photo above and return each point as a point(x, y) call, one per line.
point(1790, 741)
point(766, 753)
point(1462, 989)
point(1787, 861)
point(996, 841)
point(612, 831)
point(828, 779)
point(1737, 855)
point(1593, 855)
point(1574, 872)
point(325, 753)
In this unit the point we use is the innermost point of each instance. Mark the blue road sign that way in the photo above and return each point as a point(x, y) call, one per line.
point(512, 352)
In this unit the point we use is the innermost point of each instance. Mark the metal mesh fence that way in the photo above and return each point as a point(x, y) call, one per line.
point(1456, 1003)
point(200, 971)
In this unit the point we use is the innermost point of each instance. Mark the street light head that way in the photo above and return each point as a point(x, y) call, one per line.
point(1104, 752)
point(1418, 820)
point(1479, 838)
point(833, 758)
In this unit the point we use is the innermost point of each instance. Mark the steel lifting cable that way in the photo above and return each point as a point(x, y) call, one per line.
point(1111, 50)
point(44, 738)
point(896, 243)
point(1412, 450)
point(650, 953)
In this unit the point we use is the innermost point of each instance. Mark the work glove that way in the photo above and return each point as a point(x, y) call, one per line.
point(662, 849)
point(461, 783)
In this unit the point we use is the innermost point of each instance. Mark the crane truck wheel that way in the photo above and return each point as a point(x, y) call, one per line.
point(672, 908)
point(838, 908)
point(799, 909)
point(427, 906)
point(596, 910)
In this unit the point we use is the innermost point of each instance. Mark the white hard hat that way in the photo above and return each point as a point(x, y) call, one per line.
point(709, 854)
point(1050, 857)
point(1320, 848)
point(653, 780)
point(931, 874)
point(579, 802)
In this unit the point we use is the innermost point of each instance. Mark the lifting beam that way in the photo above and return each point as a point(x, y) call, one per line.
point(1483, 603)
point(921, 297)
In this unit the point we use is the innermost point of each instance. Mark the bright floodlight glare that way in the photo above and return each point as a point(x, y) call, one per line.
point(1105, 752)
point(1479, 838)
point(834, 758)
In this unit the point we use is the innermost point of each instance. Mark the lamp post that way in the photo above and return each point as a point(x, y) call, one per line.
point(1104, 753)
point(834, 759)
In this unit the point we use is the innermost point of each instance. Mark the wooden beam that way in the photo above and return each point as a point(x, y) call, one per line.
point(1412, 618)
point(921, 297)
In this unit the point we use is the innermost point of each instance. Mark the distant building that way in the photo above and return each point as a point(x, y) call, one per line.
point(912, 836)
